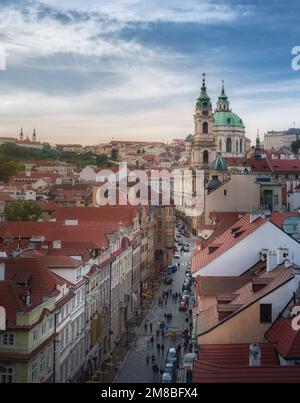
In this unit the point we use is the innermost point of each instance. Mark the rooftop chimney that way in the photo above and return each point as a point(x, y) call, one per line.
point(2, 271)
point(271, 261)
point(282, 255)
point(254, 355)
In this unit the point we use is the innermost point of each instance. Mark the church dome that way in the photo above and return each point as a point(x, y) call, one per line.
point(223, 118)
point(219, 164)
point(213, 183)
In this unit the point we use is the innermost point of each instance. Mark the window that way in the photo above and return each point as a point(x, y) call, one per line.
point(265, 313)
point(33, 371)
point(205, 128)
point(276, 200)
point(6, 374)
point(228, 145)
point(205, 157)
point(8, 339)
point(44, 329)
point(42, 363)
point(225, 192)
point(35, 335)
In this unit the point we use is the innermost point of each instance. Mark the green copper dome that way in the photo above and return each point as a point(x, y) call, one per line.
point(219, 164)
point(222, 118)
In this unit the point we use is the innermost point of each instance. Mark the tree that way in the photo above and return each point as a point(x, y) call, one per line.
point(114, 154)
point(296, 146)
point(20, 210)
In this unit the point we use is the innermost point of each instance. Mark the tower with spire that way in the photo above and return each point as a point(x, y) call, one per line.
point(204, 147)
point(257, 153)
point(223, 103)
point(34, 135)
point(21, 135)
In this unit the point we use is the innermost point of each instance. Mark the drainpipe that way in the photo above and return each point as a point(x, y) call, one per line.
point(54, 346)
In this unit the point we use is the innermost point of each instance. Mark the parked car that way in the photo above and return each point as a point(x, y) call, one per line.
point(183, 306)
point(186, 298)
point(169, 368)
point(176, 255)
point(171, 356)
point(166, 377)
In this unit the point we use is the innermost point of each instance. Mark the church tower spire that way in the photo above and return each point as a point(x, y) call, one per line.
point(203, 152)
point(34, 135)
point(223, 103)
point(21, 134)
point(257, 154)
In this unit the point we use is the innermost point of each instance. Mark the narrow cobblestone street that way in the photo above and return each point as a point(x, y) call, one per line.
point(134, 368)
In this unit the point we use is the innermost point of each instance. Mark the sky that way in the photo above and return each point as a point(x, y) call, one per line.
point(83, 71)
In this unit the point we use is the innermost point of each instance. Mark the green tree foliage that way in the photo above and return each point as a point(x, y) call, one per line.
point(296, 146)
point(12, 155)
point(114, 154)
point(20, 210)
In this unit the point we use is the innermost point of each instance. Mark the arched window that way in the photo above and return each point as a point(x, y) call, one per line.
point(237, 146)
point(228, 145)
point(241, 145)
point(205, 128)
point(220, 145)
point(205, 157)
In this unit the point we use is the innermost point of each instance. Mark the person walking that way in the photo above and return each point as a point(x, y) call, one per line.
point(162, 347)
point(158, 348)
point(152, 340)
point(157, 333)
point(166, 301)
point(163, 333)
point(146, 327)
point(151, 326)
point(153, 359)
point(147, 359)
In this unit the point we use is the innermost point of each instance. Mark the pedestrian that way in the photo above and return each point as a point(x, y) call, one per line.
point(151, 326)
point(158, 348)
point(152, 340)
point(162, 347)
point(153, 369)
point(157, 333)
point(147, 359)
point(153, 359)
point(165, 315)
point(166, 301)
point(148, 342)
point(146, 327)
point(163, 334)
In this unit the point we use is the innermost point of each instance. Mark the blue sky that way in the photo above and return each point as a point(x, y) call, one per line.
point(90, 71)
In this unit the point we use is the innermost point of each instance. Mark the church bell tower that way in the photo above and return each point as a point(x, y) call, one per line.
point(204, 147)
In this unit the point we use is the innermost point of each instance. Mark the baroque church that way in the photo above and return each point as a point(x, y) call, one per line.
point(220, 131)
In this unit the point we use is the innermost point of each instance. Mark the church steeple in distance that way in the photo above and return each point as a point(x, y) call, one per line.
point(21, 134)
point(34, 135)
point(203, 102)
point(257, 154)
point(223, 103)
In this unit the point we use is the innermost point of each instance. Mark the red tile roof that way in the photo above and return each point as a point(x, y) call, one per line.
point(284, 165)
point(29, 272)
point(284, 338)
point(209, 373)
point(245, 296)
point(226, 241)
point(234, 355)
